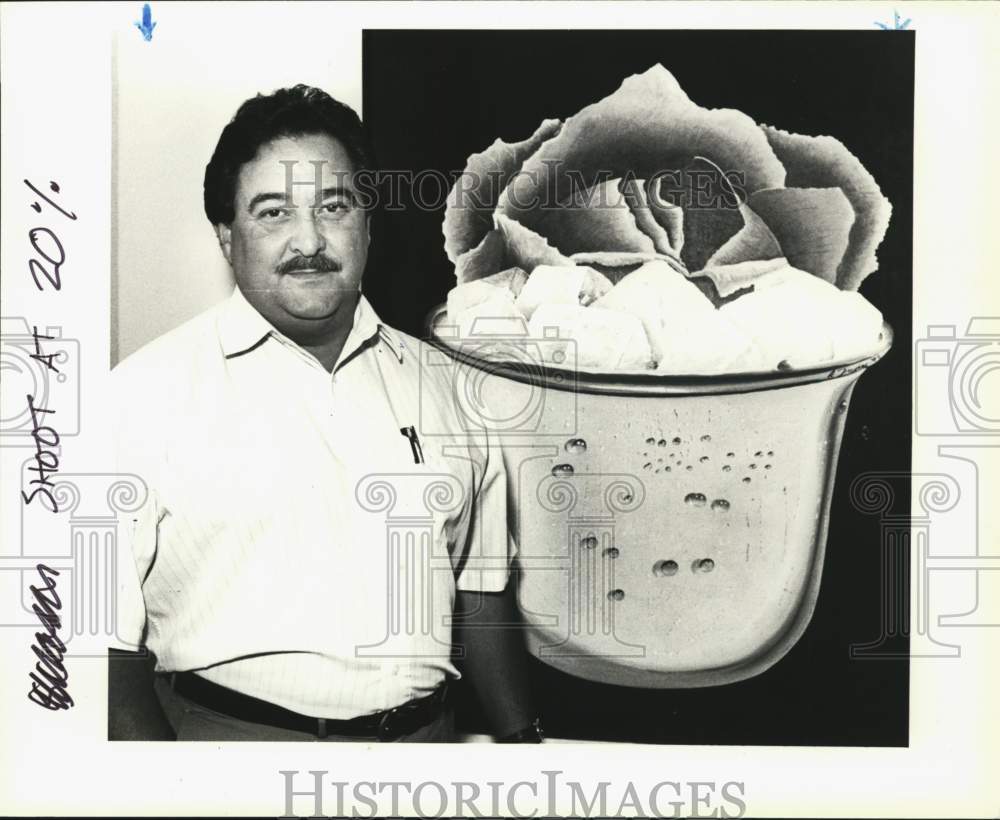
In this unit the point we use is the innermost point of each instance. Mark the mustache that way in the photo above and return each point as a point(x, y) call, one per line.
point(319, 262)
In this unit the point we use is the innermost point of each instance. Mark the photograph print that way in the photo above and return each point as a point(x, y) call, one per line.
point(547, 401)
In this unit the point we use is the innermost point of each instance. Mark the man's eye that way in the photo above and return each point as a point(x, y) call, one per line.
point(336, 208)
point(272, 214)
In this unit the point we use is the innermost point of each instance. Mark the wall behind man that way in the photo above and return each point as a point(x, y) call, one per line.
point(172, 97)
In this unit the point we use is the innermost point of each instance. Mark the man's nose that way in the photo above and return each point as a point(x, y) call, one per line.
point(307, 240)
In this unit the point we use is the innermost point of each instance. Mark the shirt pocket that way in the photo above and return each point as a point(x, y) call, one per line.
point(409, 499)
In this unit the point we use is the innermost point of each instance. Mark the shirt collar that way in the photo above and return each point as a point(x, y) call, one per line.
point(367, 325)
point(242, 328)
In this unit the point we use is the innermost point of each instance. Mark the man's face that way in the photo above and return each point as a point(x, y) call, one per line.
point(298, 253)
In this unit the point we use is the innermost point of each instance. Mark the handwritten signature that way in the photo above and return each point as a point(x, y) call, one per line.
point(50, 678)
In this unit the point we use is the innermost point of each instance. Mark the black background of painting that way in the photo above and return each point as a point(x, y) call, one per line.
point(433, 97)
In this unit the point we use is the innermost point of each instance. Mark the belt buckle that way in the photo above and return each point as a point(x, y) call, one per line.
point(383, 731)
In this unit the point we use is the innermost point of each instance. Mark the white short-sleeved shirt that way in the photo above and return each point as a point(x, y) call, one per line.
point(290, 547)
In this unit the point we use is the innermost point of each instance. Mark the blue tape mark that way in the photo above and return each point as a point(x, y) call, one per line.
point(147, 25)
point(895, 25)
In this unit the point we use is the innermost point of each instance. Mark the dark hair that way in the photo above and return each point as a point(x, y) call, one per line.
point(287, 112)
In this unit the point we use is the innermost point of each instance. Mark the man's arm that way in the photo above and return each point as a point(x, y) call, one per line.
point(134, 710)
point(488, 629)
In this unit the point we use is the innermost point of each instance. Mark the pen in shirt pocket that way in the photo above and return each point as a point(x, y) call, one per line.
point(411, 434)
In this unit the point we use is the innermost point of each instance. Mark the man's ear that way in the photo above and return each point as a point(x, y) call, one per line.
point(225, 236)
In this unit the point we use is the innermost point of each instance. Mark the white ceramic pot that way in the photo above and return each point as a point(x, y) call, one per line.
point(671, 530)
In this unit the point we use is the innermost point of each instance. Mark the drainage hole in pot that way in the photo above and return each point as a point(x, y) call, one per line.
point(663, 569)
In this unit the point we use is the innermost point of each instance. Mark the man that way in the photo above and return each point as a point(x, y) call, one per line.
point(315, 507)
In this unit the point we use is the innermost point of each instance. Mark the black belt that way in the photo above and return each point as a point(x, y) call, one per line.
point(386, 725)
